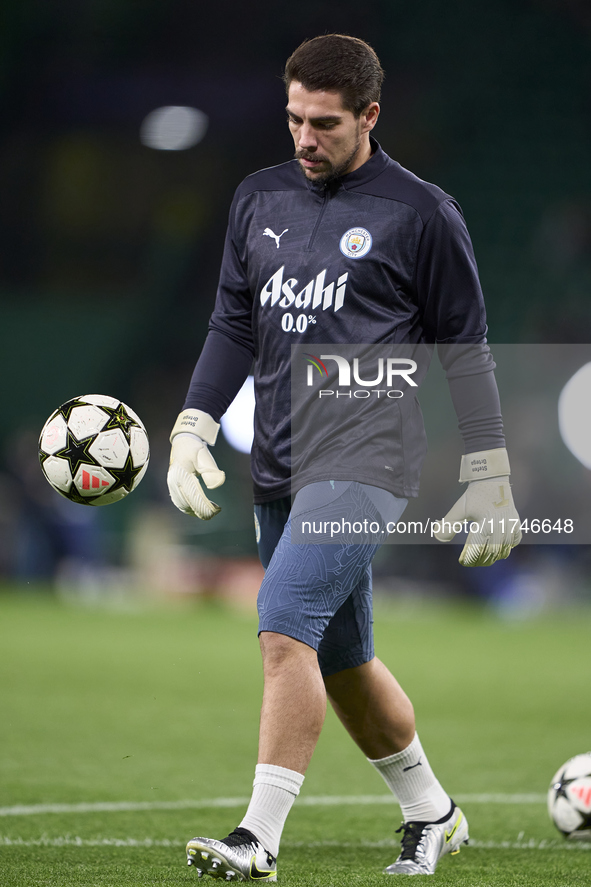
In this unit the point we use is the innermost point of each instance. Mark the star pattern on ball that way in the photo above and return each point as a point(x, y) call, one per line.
point(76, 452)
point(66, 408)
point(120, 418)
point(562, 784)
point(125, 477)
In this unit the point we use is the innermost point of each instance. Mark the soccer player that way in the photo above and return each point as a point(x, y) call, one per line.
point(345, 235)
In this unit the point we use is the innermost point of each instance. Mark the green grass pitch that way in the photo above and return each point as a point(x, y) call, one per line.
point(122, 735)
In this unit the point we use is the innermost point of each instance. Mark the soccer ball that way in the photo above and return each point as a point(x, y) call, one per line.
point(94, 450)
point(569, 798)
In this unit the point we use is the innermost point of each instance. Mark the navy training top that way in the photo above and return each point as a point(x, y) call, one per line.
point(377, 256)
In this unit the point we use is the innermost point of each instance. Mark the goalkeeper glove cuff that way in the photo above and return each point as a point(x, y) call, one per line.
point(196, 422)
point(485, 464)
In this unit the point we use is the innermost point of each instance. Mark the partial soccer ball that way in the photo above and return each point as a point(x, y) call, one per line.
point(94, 450)
point(569, 798)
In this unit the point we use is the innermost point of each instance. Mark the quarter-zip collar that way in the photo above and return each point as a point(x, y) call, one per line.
point(369, 170)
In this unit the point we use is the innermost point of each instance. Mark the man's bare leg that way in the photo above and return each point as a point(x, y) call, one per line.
point(292, 715)
point(373, 708)
point(294, 702)
point(379, 716)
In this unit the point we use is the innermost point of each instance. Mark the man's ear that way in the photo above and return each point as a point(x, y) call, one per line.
point(369, 117)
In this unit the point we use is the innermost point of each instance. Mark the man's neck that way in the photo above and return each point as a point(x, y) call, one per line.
point(363, 155)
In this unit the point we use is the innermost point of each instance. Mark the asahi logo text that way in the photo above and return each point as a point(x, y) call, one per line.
point(316, 294)
point(388, 371)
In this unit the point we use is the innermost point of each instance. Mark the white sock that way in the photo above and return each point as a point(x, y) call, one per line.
point(409, 776)
point(274, 791)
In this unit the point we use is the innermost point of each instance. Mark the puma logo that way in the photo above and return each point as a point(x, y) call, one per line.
point(276, 237)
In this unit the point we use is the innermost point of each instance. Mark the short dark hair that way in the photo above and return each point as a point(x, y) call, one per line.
point(337, 63)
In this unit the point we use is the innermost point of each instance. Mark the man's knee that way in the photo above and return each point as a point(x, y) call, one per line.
point(279, 650)
point(347, 678)
point(369, 680)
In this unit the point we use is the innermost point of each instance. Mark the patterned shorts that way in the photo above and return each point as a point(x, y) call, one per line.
point(319, 592)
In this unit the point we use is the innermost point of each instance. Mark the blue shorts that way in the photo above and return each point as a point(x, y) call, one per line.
point(320, 592)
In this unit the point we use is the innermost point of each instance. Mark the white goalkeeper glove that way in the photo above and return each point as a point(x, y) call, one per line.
point(487, 508)
point(189, 460)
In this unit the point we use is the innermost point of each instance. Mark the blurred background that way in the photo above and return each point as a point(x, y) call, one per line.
point(112, 221)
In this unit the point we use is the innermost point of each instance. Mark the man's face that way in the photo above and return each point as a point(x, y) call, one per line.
point(329, 140)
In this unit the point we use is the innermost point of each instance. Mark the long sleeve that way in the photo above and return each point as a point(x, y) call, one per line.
point(218, 376)
point(454, 316)
point(229, 349)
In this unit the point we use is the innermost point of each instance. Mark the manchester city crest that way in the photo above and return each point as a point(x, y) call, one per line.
point(355, 243)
